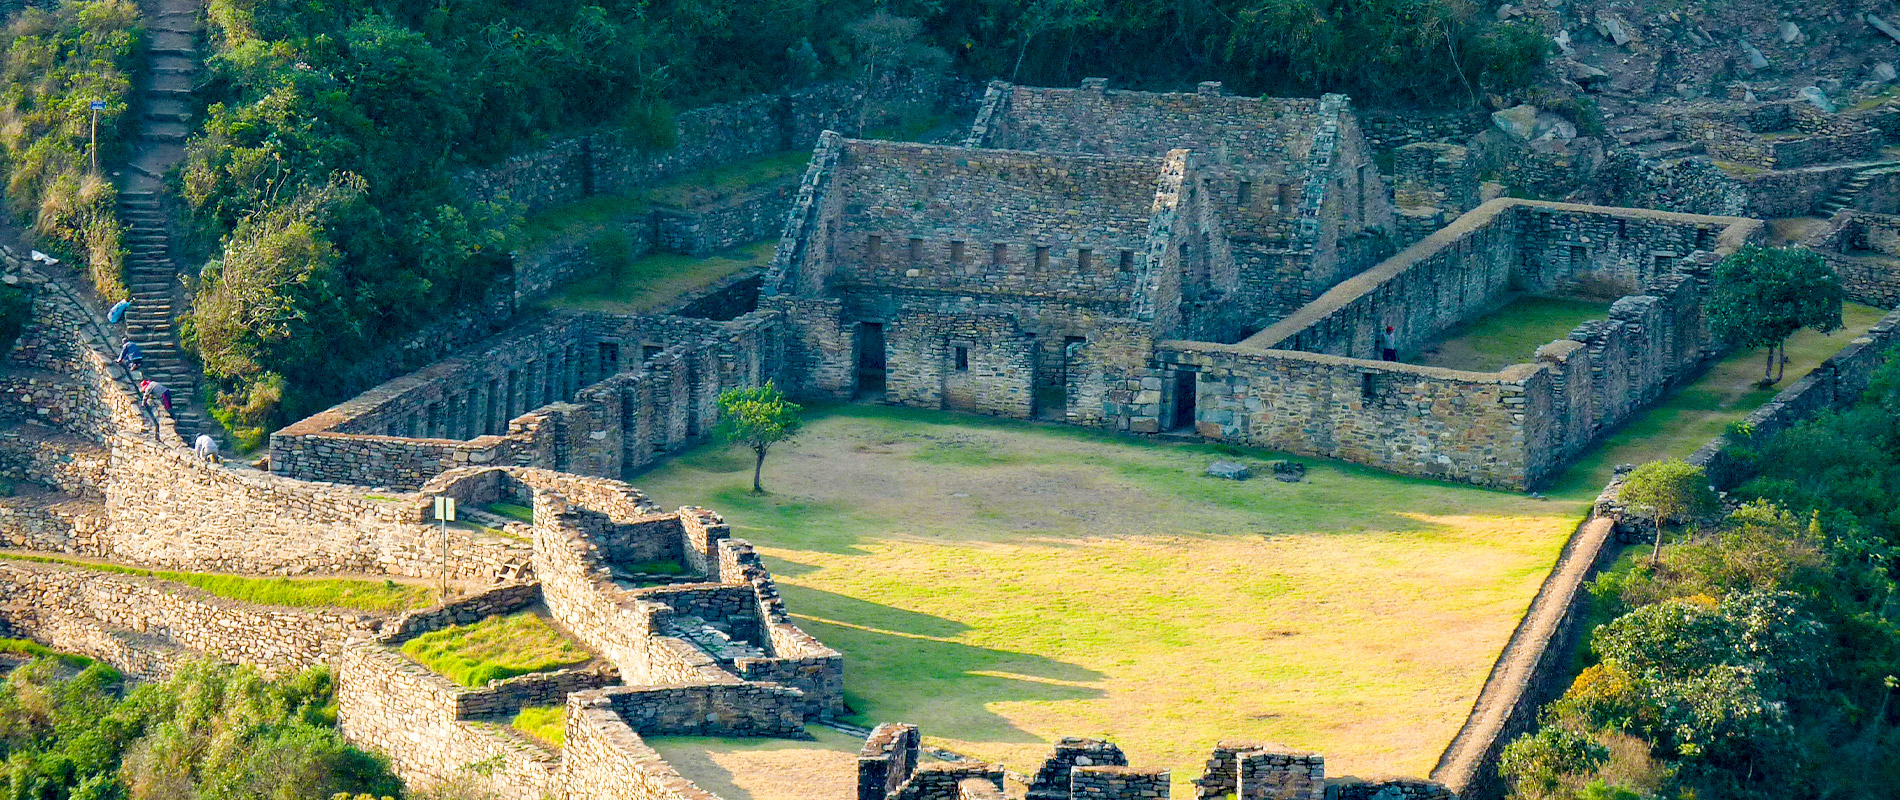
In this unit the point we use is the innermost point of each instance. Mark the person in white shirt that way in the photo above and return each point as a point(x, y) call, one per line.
point(206, 448)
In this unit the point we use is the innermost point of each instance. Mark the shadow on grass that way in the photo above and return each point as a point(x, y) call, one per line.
point(948, 687)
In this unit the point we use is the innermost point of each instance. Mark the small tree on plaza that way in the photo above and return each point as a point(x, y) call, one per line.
point(758, 418)
point(1761, 295)
point(1667, 490)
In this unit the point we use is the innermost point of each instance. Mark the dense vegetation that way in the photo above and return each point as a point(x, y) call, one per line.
point(1758, 659)
point(16, 305)
point(320, 181)
point(209, 733)
point(57, 61)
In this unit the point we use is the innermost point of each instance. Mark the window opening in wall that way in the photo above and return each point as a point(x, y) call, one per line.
point(871, 249)
point(435, 422)
point(1365, 385)
point(1185, 386)
point(648, 351)
point(999, 254)
point(1704, 238)
point(1364, 178)
point(609, 358)
point(916, 250)
point(1285, 192)
point(1246, 193)
point(1084, 259)
point(1128, 261)
point(871, 363)
point(956, 252)
point(1622, 228)
point(963, 358)
point(1665, 264)
point(1579, 256)
point(1042, 257)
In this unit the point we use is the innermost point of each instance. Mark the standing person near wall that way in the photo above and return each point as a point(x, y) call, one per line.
point(1388, 345)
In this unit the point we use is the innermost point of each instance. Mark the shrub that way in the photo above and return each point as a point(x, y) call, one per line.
point(56, 62)
point(16, 307)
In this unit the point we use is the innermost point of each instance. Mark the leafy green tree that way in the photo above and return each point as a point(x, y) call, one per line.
point(1759, 296)
point(758, 418)
point(1668, 490)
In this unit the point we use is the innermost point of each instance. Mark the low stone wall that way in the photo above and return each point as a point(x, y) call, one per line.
point(149, 626)
point(747, 709)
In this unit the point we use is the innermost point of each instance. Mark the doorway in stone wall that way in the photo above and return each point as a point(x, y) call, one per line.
point(872, 367)
point(1186, 385)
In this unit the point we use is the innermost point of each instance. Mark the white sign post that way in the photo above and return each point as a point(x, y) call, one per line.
point(444, 514)
point(97, 106)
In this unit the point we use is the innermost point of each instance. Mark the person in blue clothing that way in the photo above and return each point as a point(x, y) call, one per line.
point(130, 355)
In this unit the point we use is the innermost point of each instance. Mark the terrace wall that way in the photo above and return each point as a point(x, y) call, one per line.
point(1864, 249)
point(618, 162)
point(149, 626)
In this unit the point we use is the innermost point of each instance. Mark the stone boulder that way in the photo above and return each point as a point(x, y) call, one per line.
point(1884, 72)
point(1288, 471)
point(1518, 121)
point(1817, 98)
point(1230, 470)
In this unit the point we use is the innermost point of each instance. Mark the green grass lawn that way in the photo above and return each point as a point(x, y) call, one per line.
point(657, 279)
point(1512, 334)
point(544, 723)
point(32, 649)
point(496, 648)
point(1003, 583)
point(1702, 410)
point(363, 595)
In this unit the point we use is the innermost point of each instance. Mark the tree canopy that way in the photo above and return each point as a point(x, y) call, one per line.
point(1759, 296)
point(758, 418)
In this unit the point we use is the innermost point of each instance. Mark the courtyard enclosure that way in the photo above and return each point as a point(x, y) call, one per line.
point(1012, 583)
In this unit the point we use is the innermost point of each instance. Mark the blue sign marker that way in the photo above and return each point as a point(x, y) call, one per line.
point(98, 105)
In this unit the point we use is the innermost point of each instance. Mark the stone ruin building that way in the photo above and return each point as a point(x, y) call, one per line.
point(890, 768)
point(1193, 263)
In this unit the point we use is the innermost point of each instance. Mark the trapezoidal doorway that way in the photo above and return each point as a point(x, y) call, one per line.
point(1185, 386)
point(872, 367)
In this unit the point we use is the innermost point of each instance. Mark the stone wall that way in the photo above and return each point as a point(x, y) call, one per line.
point(752, 216)
point(1864, 249)
point(616, 162)
point(659, 635)
point(169, 509)
point(595, 394)
point(745, 709)
point(150, 626)
point(1332, 398)
point(1535, 665)
point(887, 759)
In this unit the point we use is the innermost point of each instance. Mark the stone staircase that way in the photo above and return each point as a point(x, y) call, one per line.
point(165, 121)
point(1844, 196)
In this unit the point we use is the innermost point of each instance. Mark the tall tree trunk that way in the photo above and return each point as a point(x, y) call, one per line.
point(1781, 360)
point(1655, 556)
point(758, 465)
point(1768, 368)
